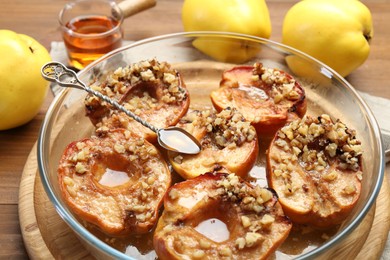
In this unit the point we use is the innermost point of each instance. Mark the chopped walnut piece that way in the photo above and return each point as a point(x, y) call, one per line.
point(198, 254)
point(330, 176)
point(349, 189)
point(252, 238)
point(245, 221)
point(225, 251)
point(80, 168)
point(267, 220)
point(204, 244)
point(240, 242)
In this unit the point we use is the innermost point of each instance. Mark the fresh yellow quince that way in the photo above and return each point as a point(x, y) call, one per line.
point(249, 17)
point(22, 88)
point(336, 32)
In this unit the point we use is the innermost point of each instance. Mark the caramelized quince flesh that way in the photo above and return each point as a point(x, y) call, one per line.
point(251, 217)
point(150, 89)
point(228, 143)
point(314, 165)
point(268, 98)
point(115, 181)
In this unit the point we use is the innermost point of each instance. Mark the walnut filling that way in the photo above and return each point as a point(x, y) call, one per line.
point(137, 149)
point(282, 86)
point(227, 128)
point(316, 143)
point(252, 201)
point(230, 128)
point(153, 71)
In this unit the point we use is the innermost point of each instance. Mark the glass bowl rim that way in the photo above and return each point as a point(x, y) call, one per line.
point(80, 229)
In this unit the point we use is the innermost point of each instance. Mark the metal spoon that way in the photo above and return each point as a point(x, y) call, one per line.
point(171, 138)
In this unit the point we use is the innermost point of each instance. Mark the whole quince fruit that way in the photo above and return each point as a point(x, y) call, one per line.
point(249, 17)
point(336, 32)
point(22, 88)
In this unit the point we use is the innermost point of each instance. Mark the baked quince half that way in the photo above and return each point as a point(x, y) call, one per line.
point(115, 181)
point(315, 167)
point(150, 89)
point(228, 143)
point(218, 216)
point(268, 98)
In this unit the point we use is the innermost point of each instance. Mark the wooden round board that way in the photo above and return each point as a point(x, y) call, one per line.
point(47, 236)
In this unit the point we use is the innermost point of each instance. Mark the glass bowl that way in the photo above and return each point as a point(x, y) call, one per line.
point(326, 92)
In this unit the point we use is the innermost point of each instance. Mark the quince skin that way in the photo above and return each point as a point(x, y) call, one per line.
point(249, 17)
point(336, 32)
point(22, 88)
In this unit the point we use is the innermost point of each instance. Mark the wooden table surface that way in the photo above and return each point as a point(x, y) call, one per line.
point(38, 18)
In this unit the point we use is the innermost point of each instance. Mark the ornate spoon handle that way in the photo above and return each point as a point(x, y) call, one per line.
point(59, 73)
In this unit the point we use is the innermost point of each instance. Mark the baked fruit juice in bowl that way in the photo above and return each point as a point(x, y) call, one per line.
point(176, 188)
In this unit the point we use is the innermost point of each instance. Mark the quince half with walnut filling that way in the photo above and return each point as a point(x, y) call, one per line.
point(150, 89)
point(115, 181)
point(227, 140)
point(218, 216)
point(315, 166)
point(268, 98)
